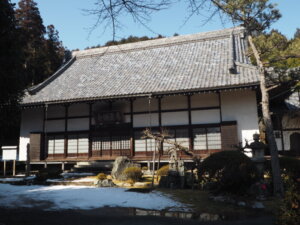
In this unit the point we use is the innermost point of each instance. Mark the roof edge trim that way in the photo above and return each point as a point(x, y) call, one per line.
point(90, 99)
point(33, 90)
point(161, 42)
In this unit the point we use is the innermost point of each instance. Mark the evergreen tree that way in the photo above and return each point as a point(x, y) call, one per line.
point(42, 56)
point(297, 33)
point(32, 34)
point(55, 52)
point(11, 85)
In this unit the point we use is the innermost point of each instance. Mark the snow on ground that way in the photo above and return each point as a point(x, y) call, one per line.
point(86, 179)
point(72, 174)
point(16, 179)
point(80, 197)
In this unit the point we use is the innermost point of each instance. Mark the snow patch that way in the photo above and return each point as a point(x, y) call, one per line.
point(81, 197)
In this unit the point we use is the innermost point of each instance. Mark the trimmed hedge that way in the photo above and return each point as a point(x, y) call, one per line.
point(228, 172)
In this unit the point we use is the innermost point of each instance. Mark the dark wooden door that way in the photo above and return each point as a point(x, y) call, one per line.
point(295, 143)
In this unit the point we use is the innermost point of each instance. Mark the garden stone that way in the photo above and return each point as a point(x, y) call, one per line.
point(120, 164)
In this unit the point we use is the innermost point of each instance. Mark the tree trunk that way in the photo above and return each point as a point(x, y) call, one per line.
point(277, 182)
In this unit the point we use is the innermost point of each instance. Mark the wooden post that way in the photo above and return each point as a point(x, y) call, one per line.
point(132, 147)
point(28, 161)
point(191, 138)
point(14, 167)
point(63, 166)
point(4, 168)
point(45, 165)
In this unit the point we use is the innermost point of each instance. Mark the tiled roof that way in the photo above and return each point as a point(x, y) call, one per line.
point(293, 101)
point(168, 65)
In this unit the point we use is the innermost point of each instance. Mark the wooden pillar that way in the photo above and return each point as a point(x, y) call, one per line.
point(14, 168)
point(4, 168)
point(66, 131)
point(90, 154)
point(220, 107)
point(28, 160)
point(63, 166)
point(191, 138)
point(132, 146)
point(45, 165)
point(44, 146)
point(161, 146)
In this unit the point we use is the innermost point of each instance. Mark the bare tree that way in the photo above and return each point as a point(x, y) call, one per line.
point(109, 12)
point(162, 137)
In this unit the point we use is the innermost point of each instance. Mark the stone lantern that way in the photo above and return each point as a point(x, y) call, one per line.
point(258, 154)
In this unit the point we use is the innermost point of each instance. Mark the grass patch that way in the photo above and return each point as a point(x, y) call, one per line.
point(200, 202)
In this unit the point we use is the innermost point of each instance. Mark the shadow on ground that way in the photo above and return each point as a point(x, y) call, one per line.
point(105, 216)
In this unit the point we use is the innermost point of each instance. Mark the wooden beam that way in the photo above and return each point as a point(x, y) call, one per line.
point(90, 130)
point(66, 130)
point(132, 145)
point(175, 110)
point(220, 106)
point(191, 138)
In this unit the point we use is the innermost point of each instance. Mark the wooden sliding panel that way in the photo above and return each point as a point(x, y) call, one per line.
point(35, 147)
point(229, 135)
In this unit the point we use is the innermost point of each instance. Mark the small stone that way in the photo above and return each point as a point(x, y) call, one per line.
point(204, 217)
point(184, 215)
point(140, 184)
point(140, 212)
point(214, 217)
point(127, 185)
point(258, 205)
point(241, 204)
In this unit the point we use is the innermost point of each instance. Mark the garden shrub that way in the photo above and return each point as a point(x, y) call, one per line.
point(163, 171)
point(144, 168)
point(228, 172)
point(133, 173)
point(48, 173)
point(289, 168)
point(289, 212)
point(101, 176)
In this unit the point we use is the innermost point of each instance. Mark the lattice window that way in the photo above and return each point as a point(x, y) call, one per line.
point(56, 144)
point(207, 138)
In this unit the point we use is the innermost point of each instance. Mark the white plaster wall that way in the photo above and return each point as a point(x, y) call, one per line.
point(78, 110)
point(279, 144)
point(78, 124)
point(31, 121)
point(143, 120)
point(241, 106)
point(55, 126)
point(55, 111)
point(174, 118)
point(204, 100)
point(286, 139)
point(174, 102)
point(205, 116)
point(142, 104)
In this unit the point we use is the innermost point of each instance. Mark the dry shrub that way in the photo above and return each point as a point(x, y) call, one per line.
point(133, 173)
point(101, 176)
point(163, 171)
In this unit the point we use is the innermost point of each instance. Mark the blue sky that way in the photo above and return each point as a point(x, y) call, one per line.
point(73, 25)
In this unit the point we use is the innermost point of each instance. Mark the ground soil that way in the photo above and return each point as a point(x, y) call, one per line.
point(105, 216)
